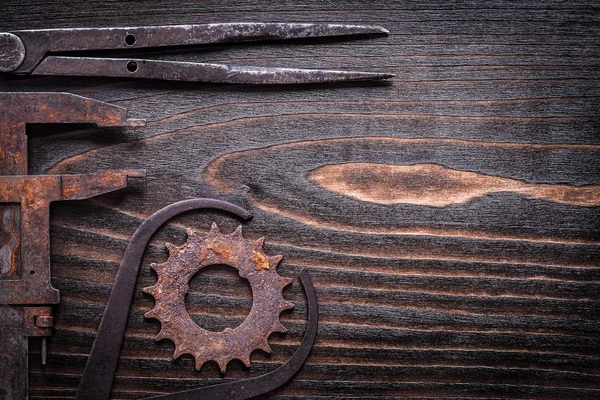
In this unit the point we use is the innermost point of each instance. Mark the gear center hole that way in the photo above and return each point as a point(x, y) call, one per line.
point(218, 298)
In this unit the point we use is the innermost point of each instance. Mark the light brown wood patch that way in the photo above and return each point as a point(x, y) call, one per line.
point(436, 185)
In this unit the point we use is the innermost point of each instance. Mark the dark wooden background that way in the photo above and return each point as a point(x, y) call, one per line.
point(449, 219)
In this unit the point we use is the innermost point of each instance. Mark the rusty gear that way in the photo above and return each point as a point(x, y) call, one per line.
point(172, 287)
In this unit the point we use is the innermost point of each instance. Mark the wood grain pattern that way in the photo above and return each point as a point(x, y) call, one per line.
point(485, 284)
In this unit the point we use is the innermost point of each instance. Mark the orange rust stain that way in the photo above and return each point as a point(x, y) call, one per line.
point(9, 240)
point(221, 248)
point(16, 249)
point(437, 186)
point(68, 191)
point(260, 260)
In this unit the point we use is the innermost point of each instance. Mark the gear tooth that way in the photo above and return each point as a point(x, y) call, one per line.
point(258, 244)
point(285, 281)
point(237, 232)
point(149, 290)
point(171, 247)
point(177, 353)
point(193, 239)
point(246, 360)
point(214, 229)
point(157, 266)
point(189, 232)
point(222, 365)
point(150, 314)
point(279, 327)
point(275, 260)
point(265, 347)
point(286, 305)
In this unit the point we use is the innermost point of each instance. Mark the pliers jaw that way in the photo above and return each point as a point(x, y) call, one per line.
point(42, 52)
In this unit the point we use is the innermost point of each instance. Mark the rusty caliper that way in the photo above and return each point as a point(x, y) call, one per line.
point(26, 292)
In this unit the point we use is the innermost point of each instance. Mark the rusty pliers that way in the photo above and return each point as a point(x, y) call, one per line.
point(54, 52)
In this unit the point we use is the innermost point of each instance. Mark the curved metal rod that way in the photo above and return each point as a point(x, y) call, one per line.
point(248, 388)
point(96, 383)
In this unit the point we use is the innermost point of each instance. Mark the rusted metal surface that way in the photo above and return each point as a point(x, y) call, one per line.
point(19, 109)
point(249, 388)
point(38, 321)
point(37, 52)
point(34, 195)
point(252, 264)
point(84, 186)
point(9, 241)
point(26, 291)
point(97, 379)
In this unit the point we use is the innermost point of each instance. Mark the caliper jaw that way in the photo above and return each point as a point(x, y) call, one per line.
point(26, 292)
